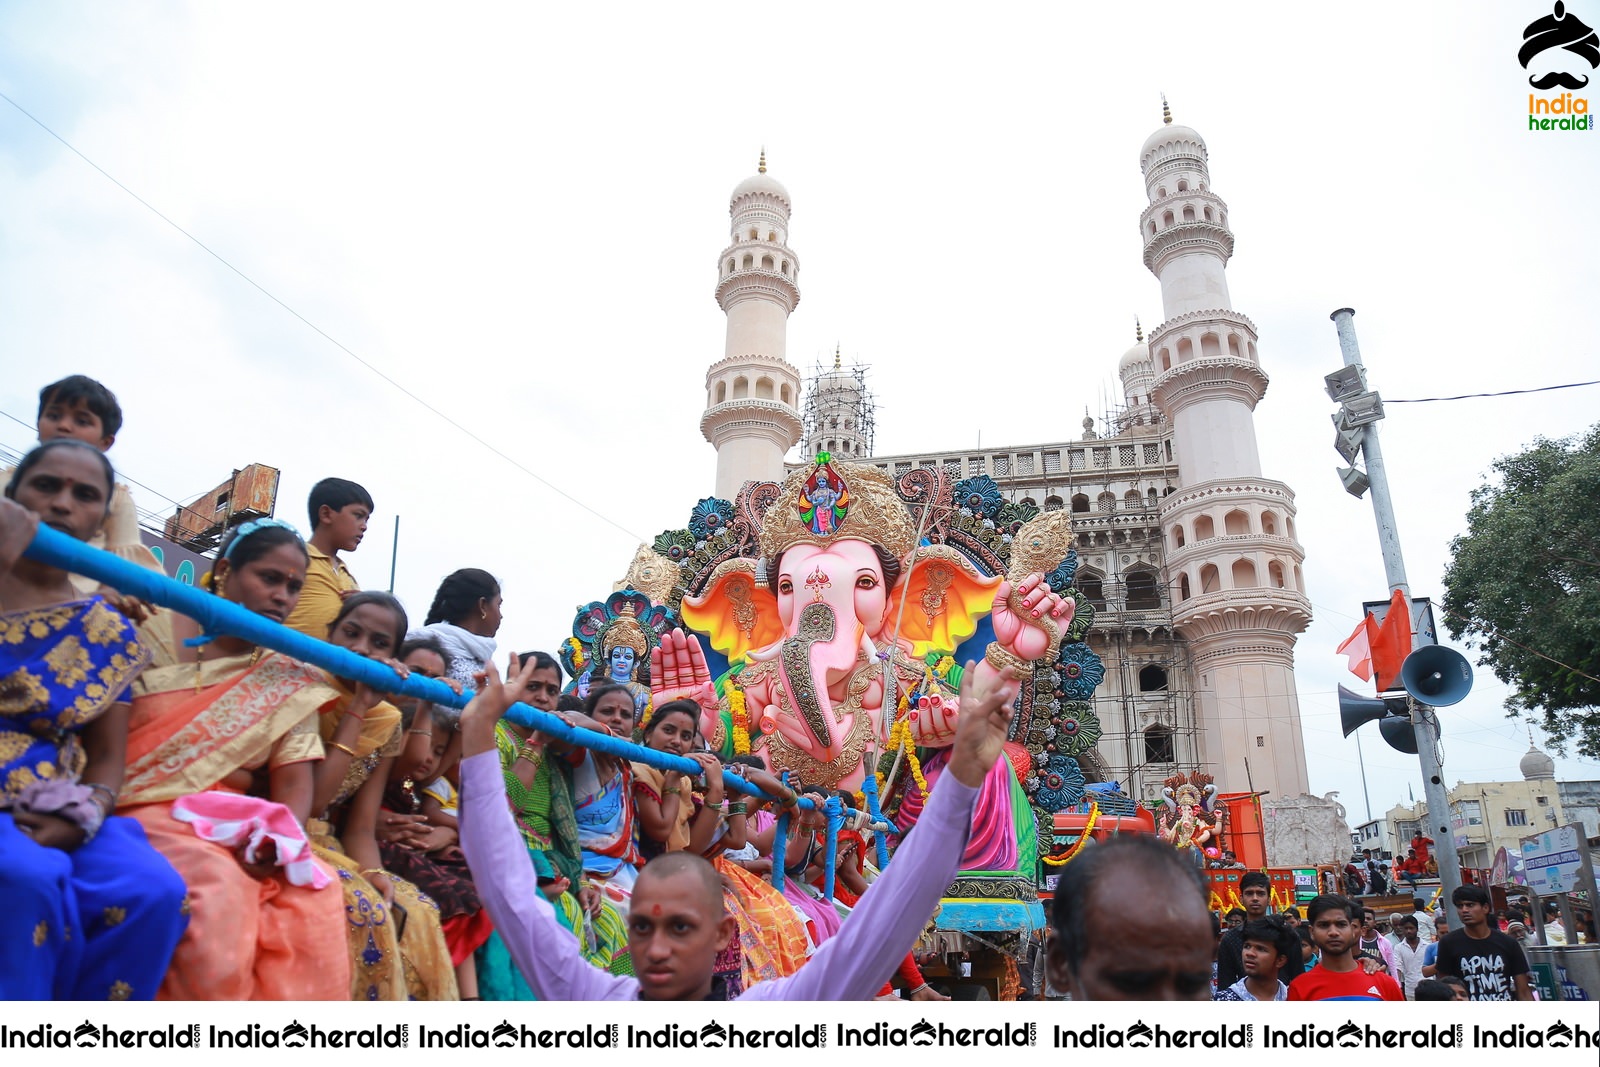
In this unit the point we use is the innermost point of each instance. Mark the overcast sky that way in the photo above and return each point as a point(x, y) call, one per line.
point(515, 212)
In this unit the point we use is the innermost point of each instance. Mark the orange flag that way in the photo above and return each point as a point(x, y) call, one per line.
point(1358, 647)
point(1392, 644)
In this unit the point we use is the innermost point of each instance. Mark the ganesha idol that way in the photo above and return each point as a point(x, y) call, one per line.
point(837, 622)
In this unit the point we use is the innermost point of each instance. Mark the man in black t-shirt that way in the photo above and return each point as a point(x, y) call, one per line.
point(1255, 893)
point(1491, 964)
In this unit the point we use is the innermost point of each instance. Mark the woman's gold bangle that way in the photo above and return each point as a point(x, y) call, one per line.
point(373, 870)
point(346, 749)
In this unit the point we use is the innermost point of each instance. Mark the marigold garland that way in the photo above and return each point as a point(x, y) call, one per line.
point(1083, 839)
point(579, 660)
point(741, 720)
point(901, 736)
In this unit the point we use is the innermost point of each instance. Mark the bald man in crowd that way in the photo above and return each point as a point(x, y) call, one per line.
point(676, 922)
point(1131, 922)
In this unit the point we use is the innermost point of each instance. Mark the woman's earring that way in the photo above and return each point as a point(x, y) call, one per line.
point(483, 613)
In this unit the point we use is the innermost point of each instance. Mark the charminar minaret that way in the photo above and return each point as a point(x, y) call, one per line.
point(752, 413)
point(1238, 598)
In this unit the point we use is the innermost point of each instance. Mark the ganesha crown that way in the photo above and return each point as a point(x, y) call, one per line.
point(870, 511)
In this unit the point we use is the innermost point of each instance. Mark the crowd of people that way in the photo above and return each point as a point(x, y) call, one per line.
point(188, 815)
point(192, 816)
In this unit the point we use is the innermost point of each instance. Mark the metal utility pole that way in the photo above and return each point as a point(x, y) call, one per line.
point(394, 554)
point(1368, 411)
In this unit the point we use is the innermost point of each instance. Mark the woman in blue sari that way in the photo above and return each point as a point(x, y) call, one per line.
point(602, 796)
point(91, 911)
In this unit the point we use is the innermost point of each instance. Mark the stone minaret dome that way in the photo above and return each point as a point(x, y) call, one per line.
point(1138, 374)
point(1234, 563)
point(752, 414)
point(838, 414)
point(1536, 766)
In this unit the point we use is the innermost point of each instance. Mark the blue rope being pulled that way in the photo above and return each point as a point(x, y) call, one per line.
point(219, 616)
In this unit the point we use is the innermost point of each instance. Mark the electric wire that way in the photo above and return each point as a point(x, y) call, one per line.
point(1475, 396)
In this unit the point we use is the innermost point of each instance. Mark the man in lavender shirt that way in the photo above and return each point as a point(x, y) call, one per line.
point(676, 923)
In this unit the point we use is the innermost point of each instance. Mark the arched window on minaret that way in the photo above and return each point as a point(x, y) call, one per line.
point(1080, 504)
point(1236, 522)
point(1177, 536)
point(1143, 591)
point(1210, 345)
point(1166, 219)
point(722, 392)
point(1210, 578)
point(1233, 345)
point(1244, 574)
point(748, 262)
point(1158, 745)
point(785, 395)
point(1204, 527)
point(1269, 522)
point(763, 388)
point(1210, 217)
point(1183, 186)
point(1185, 350)
point(1089, 584)
point(767, 263)
point(1188, 213)
point(1183, 587)
point(1152, 679)
point(741, 388)
point(1275, 574)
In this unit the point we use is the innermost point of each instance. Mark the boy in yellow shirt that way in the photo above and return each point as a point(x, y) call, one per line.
point(339, 512)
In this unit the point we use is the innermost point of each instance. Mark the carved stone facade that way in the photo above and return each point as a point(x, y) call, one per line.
point(1304, 830)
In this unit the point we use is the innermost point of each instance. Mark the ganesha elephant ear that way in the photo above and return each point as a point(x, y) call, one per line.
point(737, 612)
point(945, 596)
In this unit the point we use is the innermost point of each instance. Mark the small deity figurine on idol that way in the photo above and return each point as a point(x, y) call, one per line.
point(611, 643)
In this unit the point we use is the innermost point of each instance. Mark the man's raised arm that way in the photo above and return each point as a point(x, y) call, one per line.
point(544, 951)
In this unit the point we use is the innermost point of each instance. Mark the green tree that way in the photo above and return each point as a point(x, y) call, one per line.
point(1523, 586)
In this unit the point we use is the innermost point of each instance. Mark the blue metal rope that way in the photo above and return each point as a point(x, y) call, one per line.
point(217, 615)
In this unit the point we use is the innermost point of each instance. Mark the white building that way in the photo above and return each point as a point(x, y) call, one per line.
point(1186, 549)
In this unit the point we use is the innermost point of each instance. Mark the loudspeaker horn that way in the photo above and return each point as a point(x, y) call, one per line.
point(1399, 733)
point(1355, 709)
point(1437, 676)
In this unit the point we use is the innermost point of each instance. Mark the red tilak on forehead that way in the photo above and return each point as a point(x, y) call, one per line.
point(656, 910)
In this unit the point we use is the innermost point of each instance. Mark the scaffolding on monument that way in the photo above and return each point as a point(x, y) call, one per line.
point(836, 410)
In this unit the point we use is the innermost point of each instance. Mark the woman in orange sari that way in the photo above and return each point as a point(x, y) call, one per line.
point(770, 942)
point(227, 713)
